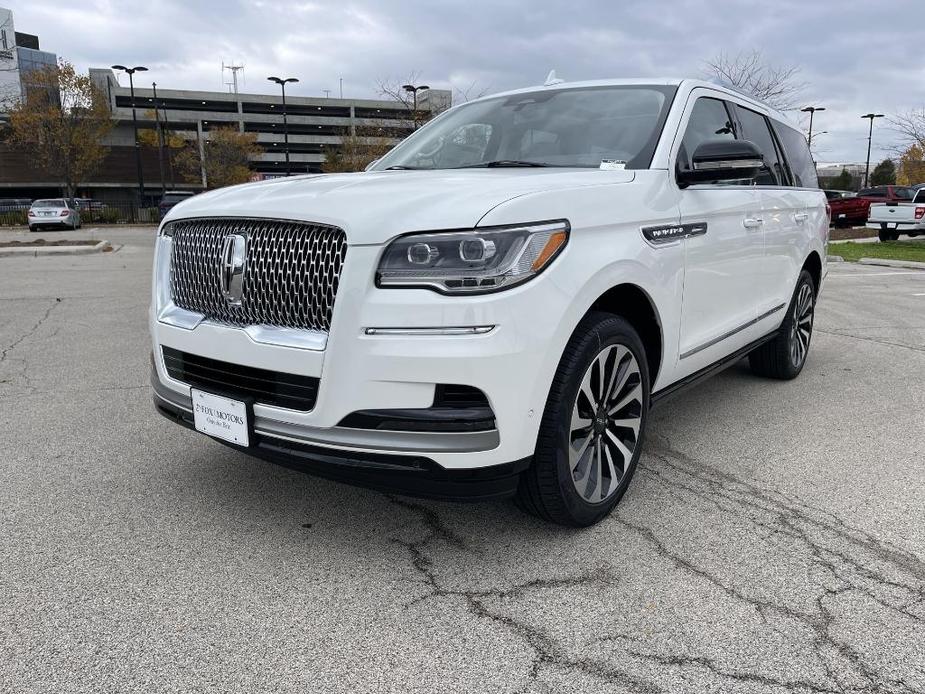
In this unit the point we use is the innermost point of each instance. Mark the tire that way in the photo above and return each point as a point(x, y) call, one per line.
point(32, 228)
point(784, 356)
point(563, 486)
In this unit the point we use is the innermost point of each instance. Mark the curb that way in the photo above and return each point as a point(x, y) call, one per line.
point(907, 264)
point(834, 259)
point(35, 251)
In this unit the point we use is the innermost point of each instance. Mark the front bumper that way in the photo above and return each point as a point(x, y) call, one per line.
point(413, 475)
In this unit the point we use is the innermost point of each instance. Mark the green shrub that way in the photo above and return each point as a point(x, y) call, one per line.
point(13, 218)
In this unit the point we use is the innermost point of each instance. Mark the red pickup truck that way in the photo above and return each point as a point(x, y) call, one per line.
point(853, 211)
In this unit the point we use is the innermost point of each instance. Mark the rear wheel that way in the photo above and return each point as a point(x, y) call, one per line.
point(886, 235)
point(784, 356)
point(592, 429)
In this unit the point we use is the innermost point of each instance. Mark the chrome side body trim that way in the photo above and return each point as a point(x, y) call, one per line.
point(726, 336)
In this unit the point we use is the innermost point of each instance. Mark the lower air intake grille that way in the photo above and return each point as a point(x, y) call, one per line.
point(233, 380)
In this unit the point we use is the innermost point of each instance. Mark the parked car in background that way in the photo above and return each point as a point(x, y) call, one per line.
point(492, 308)
point(854, 211)
point(53, 212)
point(838, 194)
point(894, 218)
point(171, 198)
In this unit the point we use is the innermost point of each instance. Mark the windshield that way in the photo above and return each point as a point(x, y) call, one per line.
point(48, 203)
point(593, 127)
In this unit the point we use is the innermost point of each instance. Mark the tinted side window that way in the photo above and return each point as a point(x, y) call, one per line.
point(798, 156)
point(709, 121)
point(872, 193)
point(755, 128)
point(903, 193)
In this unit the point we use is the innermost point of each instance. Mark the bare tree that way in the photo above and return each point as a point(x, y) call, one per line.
point(394, 90)
point(910, 127)
point(357, 150)
point(778, 86)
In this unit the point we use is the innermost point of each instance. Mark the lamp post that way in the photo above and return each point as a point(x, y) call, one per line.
point(413, 90)
point(870, 134)
point(282, 83)
point(811, 110)
point(131, 71)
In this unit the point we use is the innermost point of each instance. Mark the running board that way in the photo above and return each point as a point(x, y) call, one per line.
point(711, 370)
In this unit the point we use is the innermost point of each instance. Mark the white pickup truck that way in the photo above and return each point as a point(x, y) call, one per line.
point(895, 218)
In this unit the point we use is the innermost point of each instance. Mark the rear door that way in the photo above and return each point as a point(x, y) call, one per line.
point(782, 211)
point(724, 252)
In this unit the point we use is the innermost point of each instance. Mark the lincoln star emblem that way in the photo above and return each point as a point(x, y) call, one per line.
point(231, 272)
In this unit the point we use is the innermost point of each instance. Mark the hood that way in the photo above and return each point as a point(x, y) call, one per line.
point(374, 207)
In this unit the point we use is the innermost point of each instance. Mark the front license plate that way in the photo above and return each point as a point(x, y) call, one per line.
point(841, 216)
point(221, 417)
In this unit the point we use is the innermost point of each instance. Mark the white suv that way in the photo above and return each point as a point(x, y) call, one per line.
point(492, 308)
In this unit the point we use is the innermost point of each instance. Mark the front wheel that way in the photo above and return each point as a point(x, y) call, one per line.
point(784, 356)
point(591, 434)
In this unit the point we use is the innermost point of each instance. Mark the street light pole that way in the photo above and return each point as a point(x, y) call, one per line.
point(141, 180)
point(282, 84)
point(870, 135)
point(414, 93)
point(811, 110)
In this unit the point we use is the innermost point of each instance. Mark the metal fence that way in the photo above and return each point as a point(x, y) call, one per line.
point(97, 213)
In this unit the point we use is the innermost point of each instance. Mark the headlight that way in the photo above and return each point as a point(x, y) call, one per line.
point(471, 262)
point(166, 229)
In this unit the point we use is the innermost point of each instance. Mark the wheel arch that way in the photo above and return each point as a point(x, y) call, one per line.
point(813, 265)
point(632, 303)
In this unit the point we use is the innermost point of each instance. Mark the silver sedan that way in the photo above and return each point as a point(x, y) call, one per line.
point(54, 212)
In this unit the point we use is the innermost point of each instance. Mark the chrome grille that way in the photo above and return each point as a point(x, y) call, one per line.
point(290, 277)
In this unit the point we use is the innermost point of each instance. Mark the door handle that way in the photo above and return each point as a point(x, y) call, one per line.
point(800, 217)
point(752, 222)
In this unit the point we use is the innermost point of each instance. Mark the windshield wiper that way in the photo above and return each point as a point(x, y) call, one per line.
point(503, 163)
point(403, 168)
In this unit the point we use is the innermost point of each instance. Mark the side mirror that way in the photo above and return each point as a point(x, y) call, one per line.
point(723, 160)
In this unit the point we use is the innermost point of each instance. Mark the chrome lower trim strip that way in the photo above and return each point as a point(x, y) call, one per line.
point(732, 332)
point(463, 330)
point(377, 440)
point(373, 440)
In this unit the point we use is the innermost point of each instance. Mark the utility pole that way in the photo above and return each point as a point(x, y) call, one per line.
point(160, 140)
point(141, 179)
point(870, 135)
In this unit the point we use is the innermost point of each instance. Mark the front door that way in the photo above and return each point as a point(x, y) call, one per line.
point(723, 265)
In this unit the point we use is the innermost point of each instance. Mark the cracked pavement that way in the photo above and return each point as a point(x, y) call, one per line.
point(772, 540)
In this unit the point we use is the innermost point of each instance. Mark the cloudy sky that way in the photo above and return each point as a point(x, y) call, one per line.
point(854, 56)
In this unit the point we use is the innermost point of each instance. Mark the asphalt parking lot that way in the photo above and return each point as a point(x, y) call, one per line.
point(772, 540)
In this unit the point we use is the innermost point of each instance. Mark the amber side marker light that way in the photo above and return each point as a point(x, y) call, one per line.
point(555, 242)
